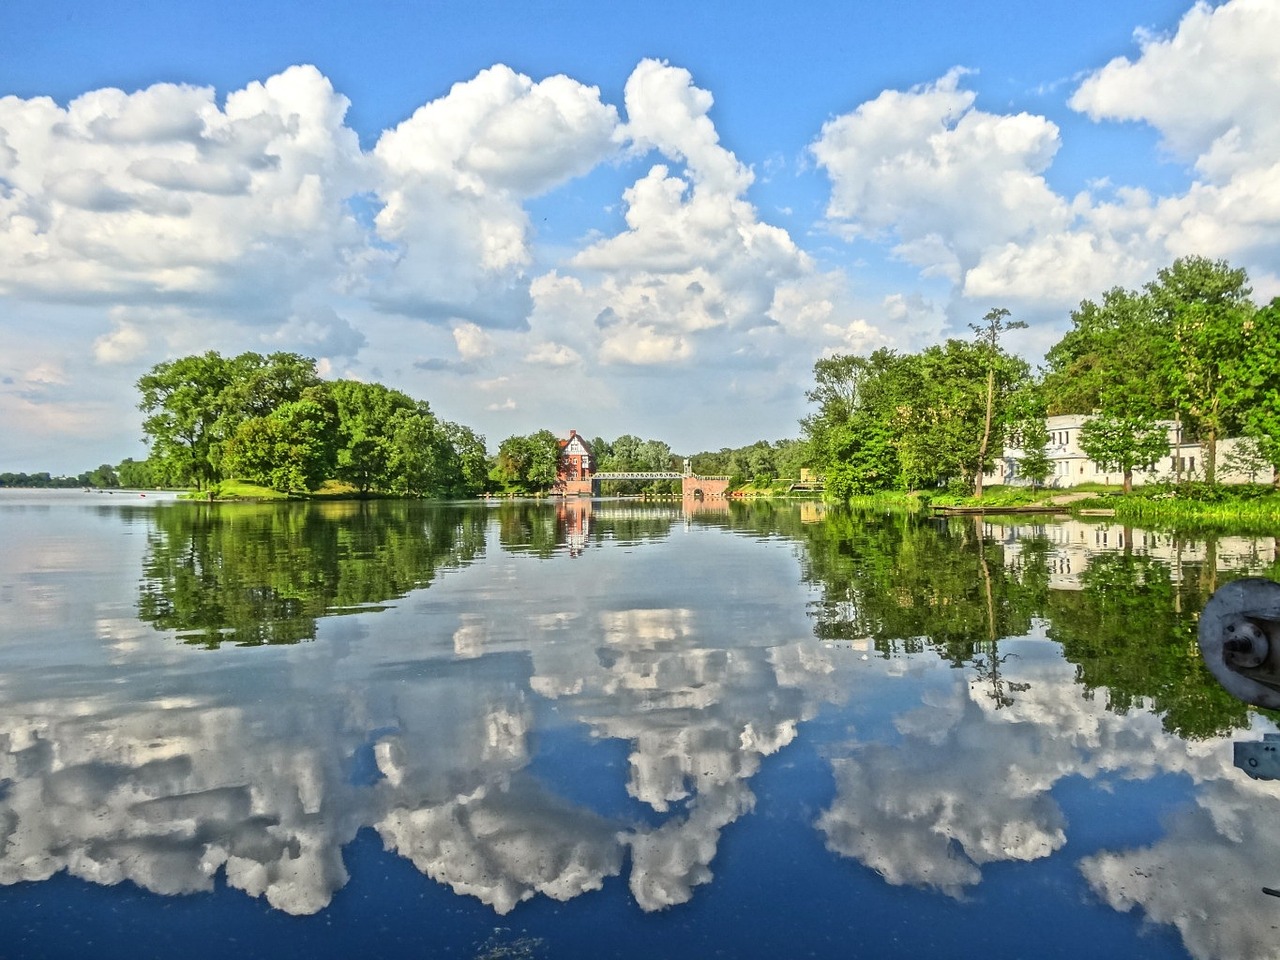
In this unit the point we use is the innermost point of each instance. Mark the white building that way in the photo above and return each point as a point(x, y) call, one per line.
point(1071, 466)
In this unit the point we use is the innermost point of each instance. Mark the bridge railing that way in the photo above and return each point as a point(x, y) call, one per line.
point(637, 476)
point(650, 476)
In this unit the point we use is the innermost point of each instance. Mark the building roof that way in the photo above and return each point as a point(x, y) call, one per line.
point(574, 435)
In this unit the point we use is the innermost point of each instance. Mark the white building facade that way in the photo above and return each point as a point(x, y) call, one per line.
point(1071, 466)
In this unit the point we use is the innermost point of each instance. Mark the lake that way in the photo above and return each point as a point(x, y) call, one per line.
point(617, 729)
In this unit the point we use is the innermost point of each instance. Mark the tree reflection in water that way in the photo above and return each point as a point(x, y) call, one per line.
point(962, 672)
point(1125, 617)
point(262, 574)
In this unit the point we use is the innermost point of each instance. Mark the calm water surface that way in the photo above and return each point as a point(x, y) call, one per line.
point(612, 729)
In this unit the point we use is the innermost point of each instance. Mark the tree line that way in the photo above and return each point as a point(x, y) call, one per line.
point(527, 464)
point(1189, 347)
point(271, 420)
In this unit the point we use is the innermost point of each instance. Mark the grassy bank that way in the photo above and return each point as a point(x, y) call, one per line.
point(775, 488)
point(1251, 508)
point(998, 495)
point(243, 490)
point(889, 500)
point(1244, 508)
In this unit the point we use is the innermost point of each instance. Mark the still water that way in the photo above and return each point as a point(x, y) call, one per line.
point(613, 729)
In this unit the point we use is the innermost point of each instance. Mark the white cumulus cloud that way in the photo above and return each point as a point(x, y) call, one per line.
point(695, 263)
point(453, 178)
point(945, 179)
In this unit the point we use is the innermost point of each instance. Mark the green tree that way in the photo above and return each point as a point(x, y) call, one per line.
point(471, 458)
point(944, 411)
point(104, 476)
point(624, 455)
point(196, 404)
point(183, 402)
point(261, 384)
point(292, 447)
point(837, 391)
point(544, 463)
point(996, 321)
point(865, 457)
point(1029, 432)
point(135, 474)
point(1116, 441)
point(1206, 308)
point(1114, 364)
point(1248, 458)
point(365, 448)
point(422, 458)
point(510, 464)
point(1255, 384)
point(853, 438)
point(527, 464)
point(791, 456)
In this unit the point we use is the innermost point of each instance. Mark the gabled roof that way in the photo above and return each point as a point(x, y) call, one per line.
point(573, 435)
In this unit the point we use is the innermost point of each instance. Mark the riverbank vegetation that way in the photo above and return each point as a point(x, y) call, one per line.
point(1189, 347)
point(271, 421)
point(1243, 508)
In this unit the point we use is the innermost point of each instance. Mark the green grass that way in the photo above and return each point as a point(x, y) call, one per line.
point(773, 488)
point(889, 500)
point(236, 490)
point(998, 495)
point(1243, 508)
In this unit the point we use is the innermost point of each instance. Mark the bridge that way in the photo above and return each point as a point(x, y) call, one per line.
point(637, 476)
point(575, 476)
point(692, 486)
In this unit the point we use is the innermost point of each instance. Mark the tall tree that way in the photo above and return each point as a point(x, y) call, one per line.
point(183, 400)
point(1205, 306)
point(527, 464)
point(1119, 338)
point(944, 411)
point(1113, 364)
point(853, 437)
point(995, 323)
point(471, 459)
point(1028, 431)
point(544, 460)
point(291, 448)
point(365, 448)
point(1255, 384)
point(135, 474)
point(257, 385)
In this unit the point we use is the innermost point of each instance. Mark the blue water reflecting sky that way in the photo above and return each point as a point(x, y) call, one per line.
point(634, 748)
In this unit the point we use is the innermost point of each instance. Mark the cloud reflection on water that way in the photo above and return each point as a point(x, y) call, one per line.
point(158, 766)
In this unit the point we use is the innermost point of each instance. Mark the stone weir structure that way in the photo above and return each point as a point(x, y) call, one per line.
point(577, 475)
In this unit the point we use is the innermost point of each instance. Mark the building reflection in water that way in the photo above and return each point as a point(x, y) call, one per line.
point(140, 759)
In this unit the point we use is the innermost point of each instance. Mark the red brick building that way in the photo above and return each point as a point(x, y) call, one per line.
point(577, 464)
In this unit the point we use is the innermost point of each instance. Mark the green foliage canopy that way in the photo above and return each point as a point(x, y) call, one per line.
point(272, 421)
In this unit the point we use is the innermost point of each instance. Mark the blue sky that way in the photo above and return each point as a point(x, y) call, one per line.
point(647, 218)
